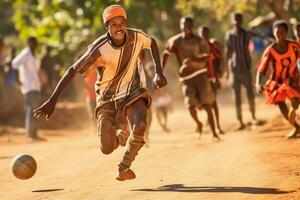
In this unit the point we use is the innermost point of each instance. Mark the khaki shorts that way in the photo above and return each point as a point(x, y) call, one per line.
point(197, 91)
point(111, 114)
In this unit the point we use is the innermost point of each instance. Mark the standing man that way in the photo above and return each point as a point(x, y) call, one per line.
point(114, 56)
point(27, 67)
point(238, 58)
point(192, 54)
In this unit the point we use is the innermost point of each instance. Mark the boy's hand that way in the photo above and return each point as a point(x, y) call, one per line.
point(259, 88)
point(45, 110)
point(160, 80)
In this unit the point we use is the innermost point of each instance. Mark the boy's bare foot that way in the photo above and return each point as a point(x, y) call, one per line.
point(36, 139)
point(126, 174)
point(293, 134)
point(241, 127)
point(199, 128)
point(216, 137)
point(220, 131)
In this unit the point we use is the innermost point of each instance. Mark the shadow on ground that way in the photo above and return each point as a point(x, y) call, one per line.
point(48, 190)
point(182, 188)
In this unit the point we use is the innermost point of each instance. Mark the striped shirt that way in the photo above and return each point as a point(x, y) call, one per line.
point(237, 49)
point(117, 67)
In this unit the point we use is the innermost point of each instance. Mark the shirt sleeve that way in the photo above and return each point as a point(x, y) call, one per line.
point(264, 63)
point(19, 60)
point(87, 62)
point(145, 40)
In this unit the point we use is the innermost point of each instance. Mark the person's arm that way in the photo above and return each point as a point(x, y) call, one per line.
point(81, 66)
point(200, 60)
point(262, 69)
point(259, 85)
point(159, 78)
point(261, 36)
point(165, 58)
point(228, 53)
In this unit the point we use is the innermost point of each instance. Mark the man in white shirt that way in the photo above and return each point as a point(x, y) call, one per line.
point(27, 67)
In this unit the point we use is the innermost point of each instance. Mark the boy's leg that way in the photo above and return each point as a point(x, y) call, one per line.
point(285, 112)
point(292, 111)
point(250, 95)
point(216, 111)
point(137, 115)
point(31, 102)
point(149, 121)
point(106, 118)
point(238, 101)
point(193, 113)
point(208, 109)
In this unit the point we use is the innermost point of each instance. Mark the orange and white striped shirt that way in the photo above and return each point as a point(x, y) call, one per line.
point(117, 67)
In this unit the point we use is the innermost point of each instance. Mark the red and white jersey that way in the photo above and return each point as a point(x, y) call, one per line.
point(117, 67)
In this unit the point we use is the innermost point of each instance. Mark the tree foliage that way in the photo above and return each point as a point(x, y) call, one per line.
point(66, 24)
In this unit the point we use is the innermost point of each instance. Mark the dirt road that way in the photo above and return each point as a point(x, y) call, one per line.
point(258, 163)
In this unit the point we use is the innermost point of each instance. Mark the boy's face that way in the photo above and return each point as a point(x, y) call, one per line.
point(186, 26)
point(204, 33)
point(280, 33)
point(33, 44)
point(117, 27)
point(237, 20)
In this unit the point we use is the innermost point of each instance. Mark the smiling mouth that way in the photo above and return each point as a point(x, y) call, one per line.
point(120, 33)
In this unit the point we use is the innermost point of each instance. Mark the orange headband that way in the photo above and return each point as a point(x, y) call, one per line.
point(113, 11)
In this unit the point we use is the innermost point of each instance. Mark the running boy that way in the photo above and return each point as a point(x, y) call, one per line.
point(281, 57)
point(114, 56)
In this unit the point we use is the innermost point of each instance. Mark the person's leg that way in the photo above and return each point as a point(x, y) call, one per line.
point(250, 95)
point(149, 121)
point(31, 102)
point(285, 112)
point(211, 122)
point(28, 109)
point(165, 118)
point(292, 111)
point(216, 113)
point(137, 116)
point(193, 114)
point(159, 116)
point(238, 100)
point(106, 117)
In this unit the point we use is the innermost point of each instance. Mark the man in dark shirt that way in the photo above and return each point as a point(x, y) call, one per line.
point(239, 60)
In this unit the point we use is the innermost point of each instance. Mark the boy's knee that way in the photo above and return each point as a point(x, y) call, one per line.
point(106, 150)
point(140, 128)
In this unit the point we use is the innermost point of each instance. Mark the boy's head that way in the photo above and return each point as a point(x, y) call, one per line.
point(204, 32)
point(297, 30)
point(114, 19)
point(32, 42)
point(186, 25)
point(237, 19)
point(280, 30)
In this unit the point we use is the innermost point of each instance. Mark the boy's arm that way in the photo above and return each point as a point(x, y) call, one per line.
point(159, 78)
point(80, 66)
point(259, 85)
point(48, 107)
